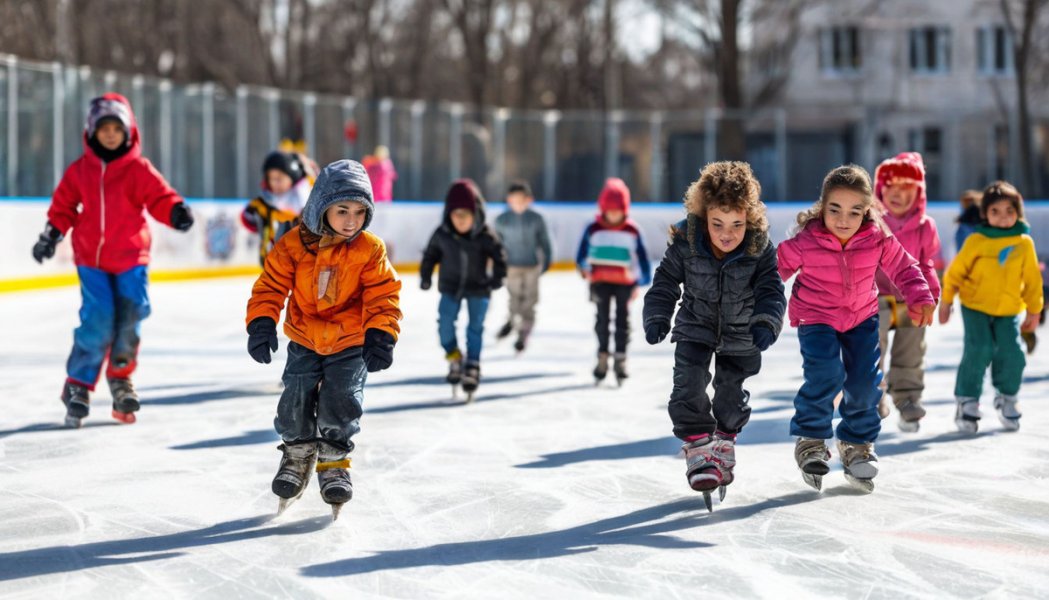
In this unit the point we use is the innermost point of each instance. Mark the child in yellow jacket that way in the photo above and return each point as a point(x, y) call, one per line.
point(343, 320)
point(996, 276)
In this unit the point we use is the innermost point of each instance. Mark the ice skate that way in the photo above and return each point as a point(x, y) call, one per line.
point(967, 414)
point(1008, 413)
point(884, 408)
point(701, 467)
point(78, 404)
point(455, 371)
point(334, 480)
point(505, 331)
point(125, 400)
point(471, 379)
point(725, 456)
point(294, 473)
point(522, 340)
point(619, 367)
point(812, 455)
point(601, 370)
point(911, 413)
point(860, 462)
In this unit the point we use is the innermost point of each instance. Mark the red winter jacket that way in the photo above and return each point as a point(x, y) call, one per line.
point(103, 204)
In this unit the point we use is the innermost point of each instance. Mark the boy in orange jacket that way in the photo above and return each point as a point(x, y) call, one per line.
point(343, 319)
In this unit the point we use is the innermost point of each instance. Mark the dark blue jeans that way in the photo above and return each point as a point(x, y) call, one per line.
point(322, 397)
point(112, 309)
point(447, 315)
point(833, 361)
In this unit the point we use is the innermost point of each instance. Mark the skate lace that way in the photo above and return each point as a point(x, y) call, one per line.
point(853, 452)
point(818, 449)
point(121, 388)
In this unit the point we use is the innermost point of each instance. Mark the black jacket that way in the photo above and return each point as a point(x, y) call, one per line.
point(464, 258)
point(722, 298)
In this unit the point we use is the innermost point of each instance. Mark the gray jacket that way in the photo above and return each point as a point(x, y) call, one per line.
point(722, 299)
point(523, 235)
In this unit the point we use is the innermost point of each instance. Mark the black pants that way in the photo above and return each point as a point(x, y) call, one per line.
point(690, 407)
point(602, 295)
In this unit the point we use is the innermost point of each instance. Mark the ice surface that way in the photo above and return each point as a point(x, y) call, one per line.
point(546, 485)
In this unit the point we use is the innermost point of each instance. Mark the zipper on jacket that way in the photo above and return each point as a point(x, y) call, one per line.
point(464, 260)
point(102, 216)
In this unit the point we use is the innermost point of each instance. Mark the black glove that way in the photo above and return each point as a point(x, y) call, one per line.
point(763, 336)
point(655, 331)
point(45, 246)
point(378, 350)
point(262, 339)
point(181, 218)
point(425, 284)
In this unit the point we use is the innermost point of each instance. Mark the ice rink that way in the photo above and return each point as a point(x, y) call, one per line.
point(546, 486)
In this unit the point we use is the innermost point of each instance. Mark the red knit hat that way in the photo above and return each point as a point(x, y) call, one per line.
point(463, 194)
point(905, 166)
point(614, 196)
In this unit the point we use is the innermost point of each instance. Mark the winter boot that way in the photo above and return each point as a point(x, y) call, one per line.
point(860, 462)
point(471, 376)
point(725, 455)
point(505, 331)
point(522, 338)
point(701, 467)
point(77, 401)
point(1008, 412)
point(294, 473)
point(125, 400)
point(601, 370)
point(911, 413)
point(619, 366)
point(812, 455)
point(455, 366)
point(334, 478)
point(967, 415)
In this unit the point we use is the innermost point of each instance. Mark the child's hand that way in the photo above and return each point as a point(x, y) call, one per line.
point(378, 350)
point(262, 339)
point(424, 284)
point(656, 330)
point(922, 314)
point(181, 218)
point(45, 246)
point(1032, 321)
point(584, 274)
point(634, 293)
point(945, 313)
point(762, 335)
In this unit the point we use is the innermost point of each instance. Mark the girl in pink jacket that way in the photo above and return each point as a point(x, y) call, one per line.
point(899, 186)
point(839, 246)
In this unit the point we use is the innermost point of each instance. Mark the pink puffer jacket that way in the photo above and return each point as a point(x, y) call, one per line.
point(835, 285)
point(916, 231)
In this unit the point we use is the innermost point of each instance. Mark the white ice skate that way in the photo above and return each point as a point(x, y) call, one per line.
point(471, 379)
point(860, 462)
point(967, 414)
point(1008, 411)
point(812, 455)
point(294, 473)
point(911, 413)
point(702, 469)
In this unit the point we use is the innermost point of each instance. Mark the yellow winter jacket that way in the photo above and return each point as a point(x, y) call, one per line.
point(996, 272)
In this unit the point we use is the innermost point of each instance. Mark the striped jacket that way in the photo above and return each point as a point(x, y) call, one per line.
point(614, 254)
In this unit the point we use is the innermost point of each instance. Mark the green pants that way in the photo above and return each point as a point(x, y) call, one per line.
point(993, 341)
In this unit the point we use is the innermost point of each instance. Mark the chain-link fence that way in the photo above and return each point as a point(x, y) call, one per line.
point(210, 142)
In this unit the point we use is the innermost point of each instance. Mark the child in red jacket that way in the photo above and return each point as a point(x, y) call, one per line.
point(101, 197)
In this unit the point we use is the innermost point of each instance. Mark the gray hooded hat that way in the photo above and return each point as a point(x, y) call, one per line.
point(339, 181)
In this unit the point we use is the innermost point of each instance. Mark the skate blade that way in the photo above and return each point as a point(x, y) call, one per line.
point(909, 426)
point(816, 481)
point(72, 422)
point(966, 426)
point(335, 509)
point(865, 485)
point(469, 397)
point(721, 493)
point(708, 502)
point(126, 418)
point(1009, 424)
point(284, 503)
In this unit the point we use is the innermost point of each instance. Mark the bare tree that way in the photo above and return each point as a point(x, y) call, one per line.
point(1021, 17)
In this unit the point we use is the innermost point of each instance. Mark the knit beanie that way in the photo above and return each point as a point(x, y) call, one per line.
point(109, 107)
point(904, 167)
point(614, 196)
point(285, 162)
point(463, 194)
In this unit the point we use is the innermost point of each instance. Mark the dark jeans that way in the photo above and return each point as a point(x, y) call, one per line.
point(322, 396)
point(691, 408)
point(448, 313)
point(112, 309)
point(834, 361)
point(602, 295)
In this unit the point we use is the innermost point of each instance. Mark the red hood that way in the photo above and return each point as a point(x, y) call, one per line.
point(136, 144)
point(905, 165)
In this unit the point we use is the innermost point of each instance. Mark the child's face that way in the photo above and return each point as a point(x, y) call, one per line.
point(614, 216)
point(518, 201)
point(1001, 214)
point(278, 181)
point(110, 134)
point(346, 218)
point(899, 197)
point(843, 211)
point(462, 220)
point(726, 227)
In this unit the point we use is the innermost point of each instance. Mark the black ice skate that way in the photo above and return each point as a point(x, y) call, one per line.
point(471, 379)
point(860, 462)
point(619, 367)
point(125, 400)
point(77, 402)
point(334, 480)
point(455, 371)
point(812, 455)
point(505, 331)
point(601, 370)
point(294, 473)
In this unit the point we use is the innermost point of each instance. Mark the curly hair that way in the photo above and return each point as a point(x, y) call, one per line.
point(728, 185)
point(1002, 191)
point(846, 177)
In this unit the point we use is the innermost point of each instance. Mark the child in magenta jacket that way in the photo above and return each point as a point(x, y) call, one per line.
point(899, 186)
point(839, 246)
point(103, 197)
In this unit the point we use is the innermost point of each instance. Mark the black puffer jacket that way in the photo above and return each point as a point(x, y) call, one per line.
point(722, 298)
point(464, 258)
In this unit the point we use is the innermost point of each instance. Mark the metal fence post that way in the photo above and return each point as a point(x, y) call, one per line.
point(455, 142)
point(167, 150)
point(710, 135)
point(350, 145)
point(309, 123)
point(612, 143)
point(207, 110)
point(12, 126)
point(781, 154)
point(385, 108)
point(418, 110)
point(499, 118)
point(273, 99)
point(550, 119)
point(242, 141)
point(58, 99)
point(656, 164)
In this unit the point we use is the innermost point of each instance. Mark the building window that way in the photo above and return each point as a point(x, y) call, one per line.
point(840, 50)
point(931, 50)
point(994, 50)
point(929, 141)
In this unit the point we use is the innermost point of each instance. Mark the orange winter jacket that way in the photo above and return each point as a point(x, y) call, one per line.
point(339, 289)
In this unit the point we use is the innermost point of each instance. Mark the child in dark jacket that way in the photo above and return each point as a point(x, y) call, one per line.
point(463, 245)
point(102, 197)
point(732, 310)
point(613, 259)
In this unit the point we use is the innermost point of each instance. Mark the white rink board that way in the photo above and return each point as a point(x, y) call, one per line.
point(545, 487)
